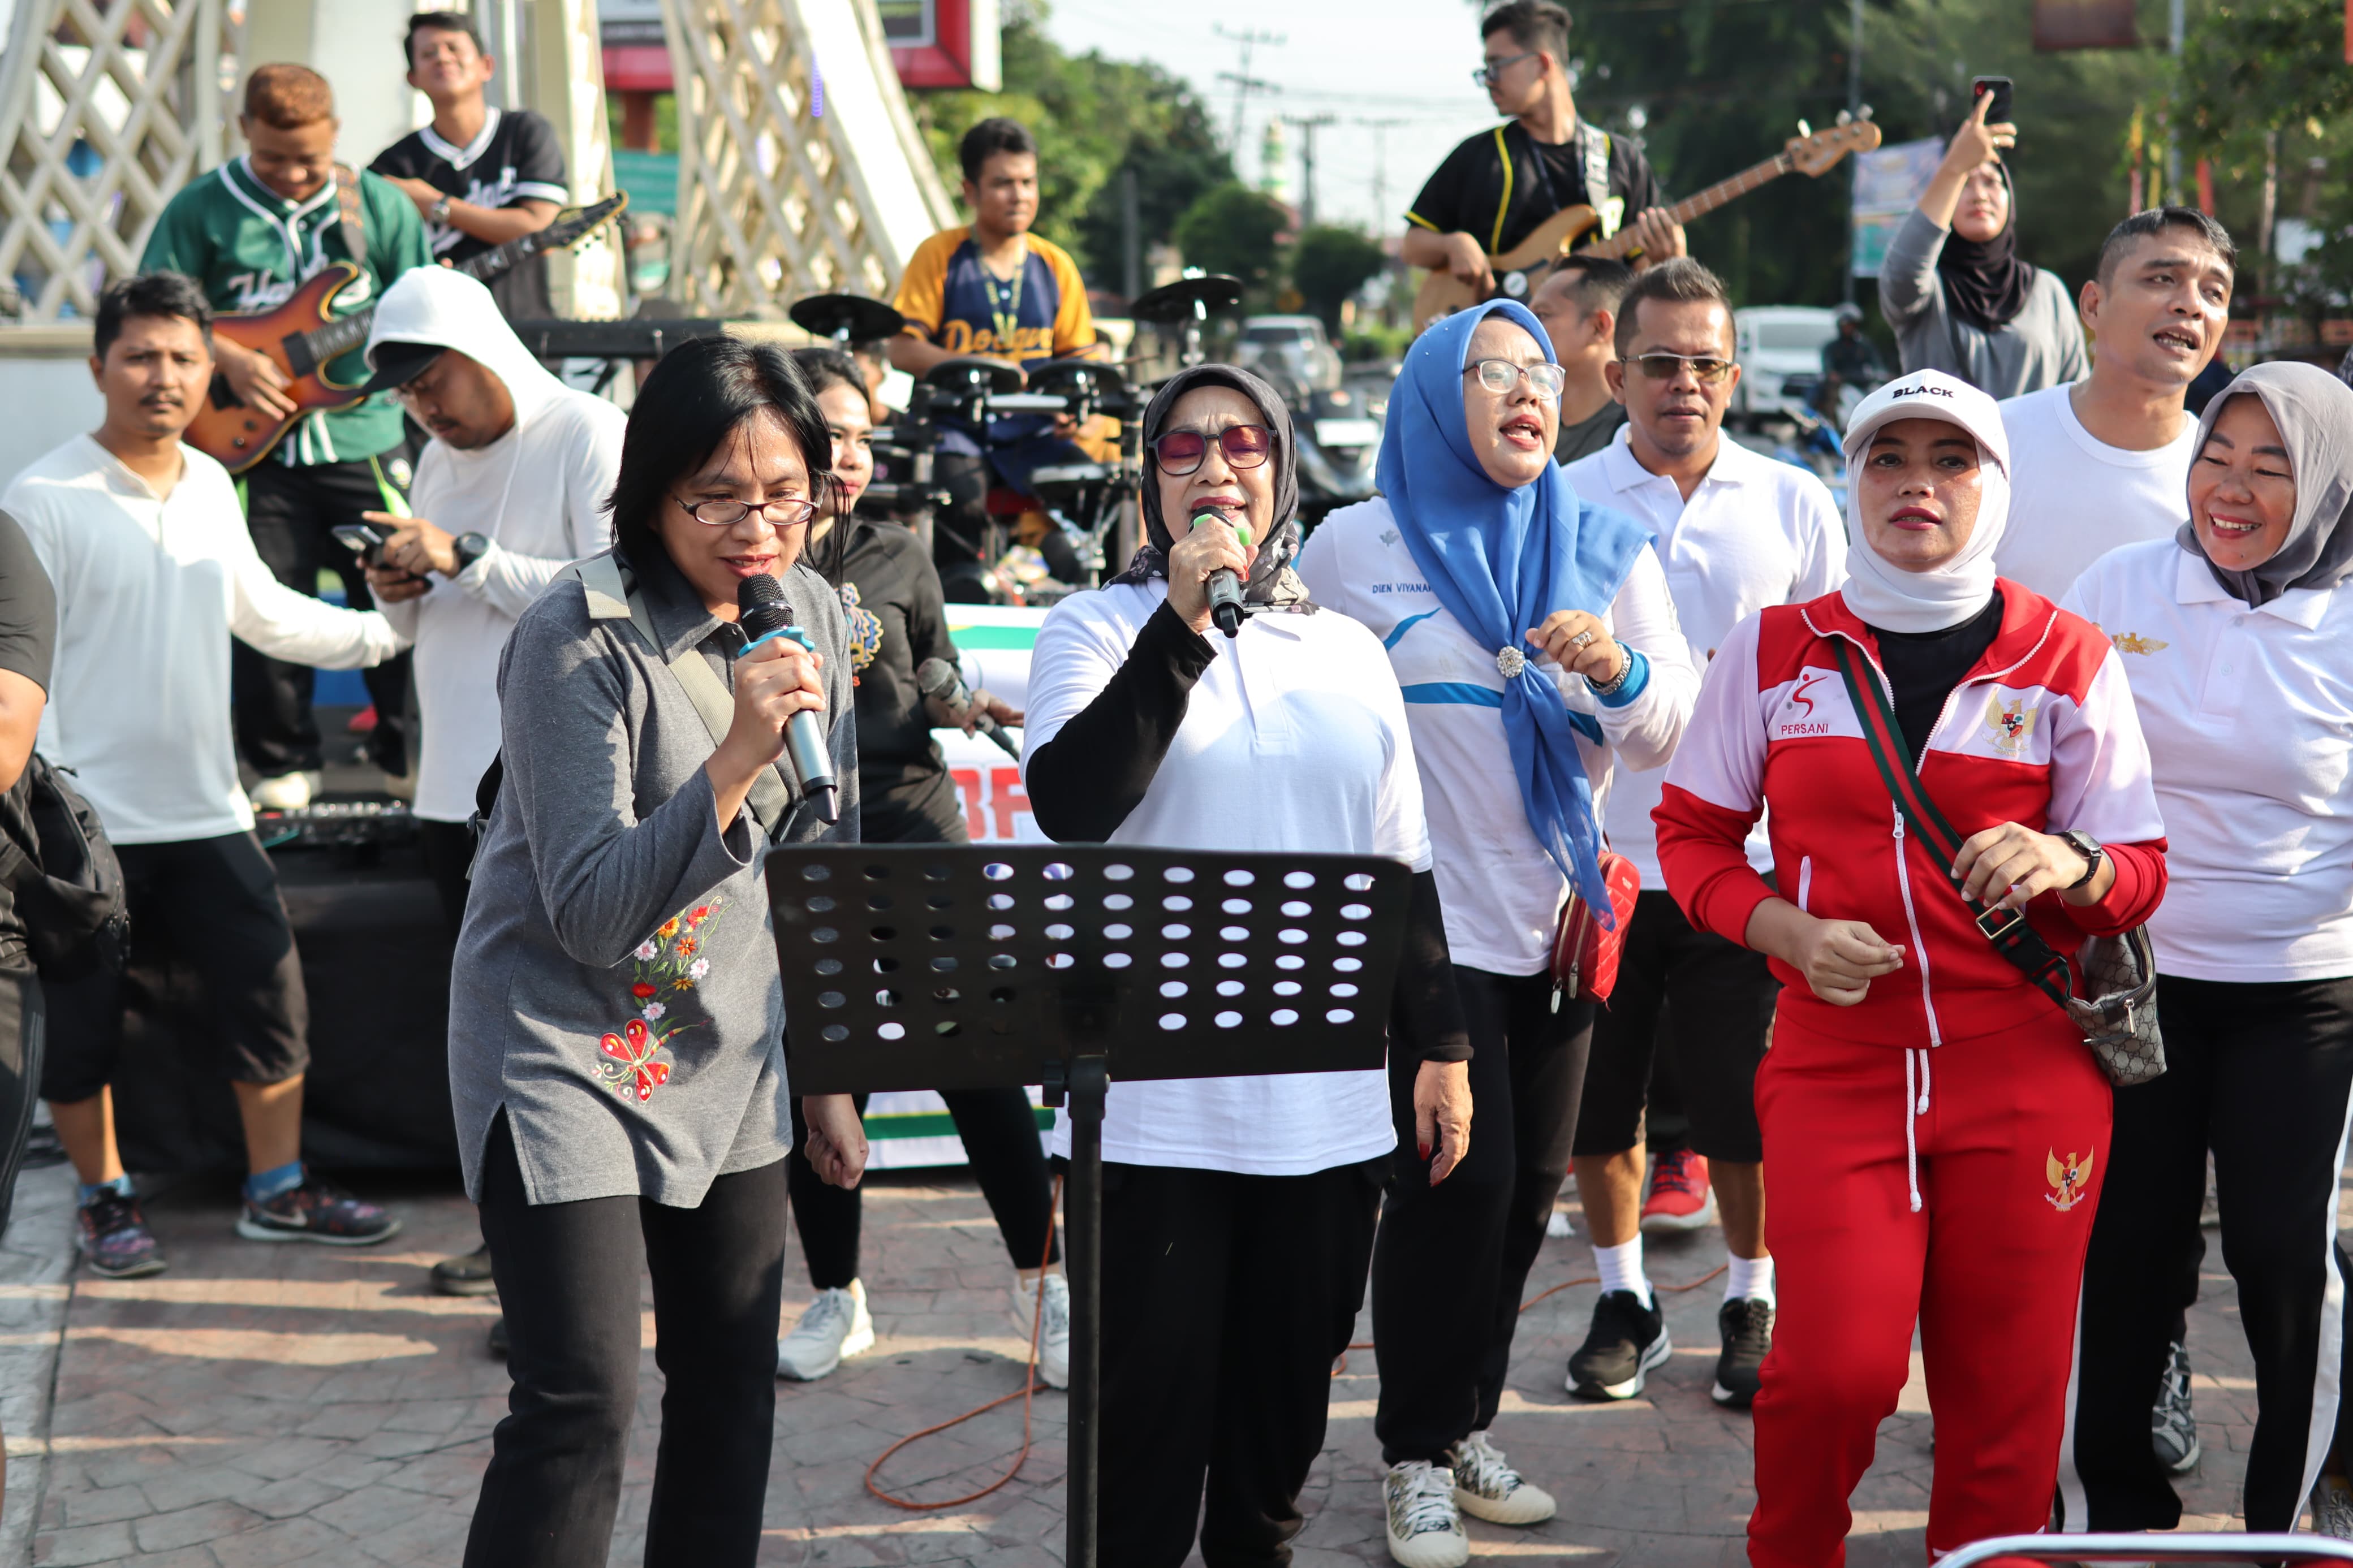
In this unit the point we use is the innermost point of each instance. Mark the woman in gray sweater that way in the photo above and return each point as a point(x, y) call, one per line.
point(616, 1033)
point(1953, 286)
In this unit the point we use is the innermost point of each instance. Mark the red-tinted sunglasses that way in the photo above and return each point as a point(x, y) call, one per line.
point(1180, 452)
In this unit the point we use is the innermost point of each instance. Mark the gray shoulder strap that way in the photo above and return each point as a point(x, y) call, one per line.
point(1594, 143)
point(612, 597)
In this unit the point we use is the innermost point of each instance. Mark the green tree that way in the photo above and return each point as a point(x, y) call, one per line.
point(1234, 229)
point(1329, 264)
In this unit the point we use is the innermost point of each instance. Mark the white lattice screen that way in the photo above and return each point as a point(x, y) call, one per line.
point(105, 112)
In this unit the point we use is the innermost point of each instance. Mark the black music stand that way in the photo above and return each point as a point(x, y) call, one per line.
point(936, 966)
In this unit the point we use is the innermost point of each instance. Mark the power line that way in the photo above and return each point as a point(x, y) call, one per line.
point(1244, 83)
point(1380, 130)
point(1308, 125)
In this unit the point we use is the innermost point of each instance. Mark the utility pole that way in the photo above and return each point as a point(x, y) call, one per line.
point(1380, 130)
point(1855, 112)
point(2176, 27)
point(1244, 83)
point(1308, 125)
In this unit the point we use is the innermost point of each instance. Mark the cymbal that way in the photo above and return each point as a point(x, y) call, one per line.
point(1172, 304)
point(994, 375)
point(823, 315)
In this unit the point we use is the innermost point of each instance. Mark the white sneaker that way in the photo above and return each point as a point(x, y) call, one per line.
point(2332, 1508)
point(285, 791)
point(1054, 1339)
point(835, 1325)
point(1425, 1527)
point(1486, 1487)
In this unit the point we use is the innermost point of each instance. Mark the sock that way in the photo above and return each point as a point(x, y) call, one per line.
point(263, 1185)
point(1751, 1276)
point(93, 1190)
point(1621, 1269)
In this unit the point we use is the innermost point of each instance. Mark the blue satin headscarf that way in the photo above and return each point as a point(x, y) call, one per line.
point(1500, 561)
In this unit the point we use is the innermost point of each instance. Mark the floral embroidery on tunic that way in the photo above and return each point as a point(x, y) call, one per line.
point(637, 1060)
point(865, 629)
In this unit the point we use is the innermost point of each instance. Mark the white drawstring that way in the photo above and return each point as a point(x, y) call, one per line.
point(1916, 1105)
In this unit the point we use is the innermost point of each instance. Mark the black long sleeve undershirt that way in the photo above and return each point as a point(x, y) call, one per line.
point(1084, 782)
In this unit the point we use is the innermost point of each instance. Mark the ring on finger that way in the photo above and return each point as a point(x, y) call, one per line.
point(1581, 639)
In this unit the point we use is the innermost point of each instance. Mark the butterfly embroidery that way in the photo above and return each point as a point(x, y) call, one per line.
point(668, 966)
point(636, 1061)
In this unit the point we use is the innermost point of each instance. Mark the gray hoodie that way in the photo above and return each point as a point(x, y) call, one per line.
point(615, 990)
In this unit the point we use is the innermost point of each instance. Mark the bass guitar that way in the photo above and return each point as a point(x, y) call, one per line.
point(302, 337)
point(1519, 269)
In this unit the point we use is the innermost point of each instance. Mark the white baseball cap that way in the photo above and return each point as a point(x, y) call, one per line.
point(1931, 395)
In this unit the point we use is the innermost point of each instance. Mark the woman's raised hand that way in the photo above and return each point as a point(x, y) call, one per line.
point(1976, 142)
point(773, 682)
point(1579, 644)
point(1210, 545)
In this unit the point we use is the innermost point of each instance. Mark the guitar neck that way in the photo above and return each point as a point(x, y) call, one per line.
point(1708, 200)
point(346, 334)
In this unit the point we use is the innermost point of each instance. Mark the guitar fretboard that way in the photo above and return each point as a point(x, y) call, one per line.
point(346, 334)
point(1708, 200)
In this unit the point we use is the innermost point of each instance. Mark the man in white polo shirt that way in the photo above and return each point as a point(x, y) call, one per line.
point(1736, 532)
point(156, 572)
point(2103, 461)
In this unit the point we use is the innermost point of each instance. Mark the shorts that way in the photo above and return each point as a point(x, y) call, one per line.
point(1718, 1028)
point(216, 902)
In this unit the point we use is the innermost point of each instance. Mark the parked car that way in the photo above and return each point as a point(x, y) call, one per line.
point(1295, 346)
point(1773, 342)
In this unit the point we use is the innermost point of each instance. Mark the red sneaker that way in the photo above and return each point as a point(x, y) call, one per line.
point(1679, 1196)
point(361, 723)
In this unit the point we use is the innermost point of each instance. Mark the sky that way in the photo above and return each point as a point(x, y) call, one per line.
point(1356, 61)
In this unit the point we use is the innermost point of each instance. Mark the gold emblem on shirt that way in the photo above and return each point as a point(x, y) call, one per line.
point(2012, 723)
point(2133, 642)
point(2070, 1179)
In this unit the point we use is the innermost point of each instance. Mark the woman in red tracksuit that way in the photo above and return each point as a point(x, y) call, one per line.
point(1935, 1128)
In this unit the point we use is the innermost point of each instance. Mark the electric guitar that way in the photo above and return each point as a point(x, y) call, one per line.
point(1519, 271)
point(302, 337)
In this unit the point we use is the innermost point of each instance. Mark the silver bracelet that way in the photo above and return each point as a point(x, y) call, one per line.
point(1625, 671)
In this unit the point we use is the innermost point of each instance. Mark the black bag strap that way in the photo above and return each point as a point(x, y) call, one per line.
point(2008, 931)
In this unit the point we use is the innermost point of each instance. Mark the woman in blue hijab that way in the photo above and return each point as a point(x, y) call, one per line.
point(1536, 647)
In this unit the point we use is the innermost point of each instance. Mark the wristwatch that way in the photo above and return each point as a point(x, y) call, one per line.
point(470, 548)
point(2086, 846)
point(440, 213)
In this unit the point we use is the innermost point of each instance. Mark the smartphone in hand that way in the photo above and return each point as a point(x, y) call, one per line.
point(2002, 88)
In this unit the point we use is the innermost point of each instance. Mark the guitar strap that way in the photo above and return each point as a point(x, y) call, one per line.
point(354, 220)
point(1593, 147)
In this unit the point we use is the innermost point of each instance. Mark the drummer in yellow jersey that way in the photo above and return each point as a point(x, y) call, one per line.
point(993, 291)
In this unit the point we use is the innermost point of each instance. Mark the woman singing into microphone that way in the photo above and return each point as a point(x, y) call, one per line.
point(616, 1030)
point(1237, 1213)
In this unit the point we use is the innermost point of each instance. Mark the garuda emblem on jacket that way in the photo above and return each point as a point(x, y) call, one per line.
point(2071, 1179)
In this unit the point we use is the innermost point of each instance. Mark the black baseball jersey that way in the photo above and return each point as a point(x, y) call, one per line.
point(516, 159)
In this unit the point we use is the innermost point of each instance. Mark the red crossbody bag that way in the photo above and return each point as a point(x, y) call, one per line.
point(1584, 951)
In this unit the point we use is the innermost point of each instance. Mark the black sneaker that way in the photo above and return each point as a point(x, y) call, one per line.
point(1746, 1325)
point(1627, 1341)
point(499, 1339)
point(115, 1240)
point(2172, 1424)
point(316, 1211)
point(468, 1275)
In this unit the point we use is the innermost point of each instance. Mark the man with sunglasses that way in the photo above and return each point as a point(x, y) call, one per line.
point(1499, 186)
point(1736, 532)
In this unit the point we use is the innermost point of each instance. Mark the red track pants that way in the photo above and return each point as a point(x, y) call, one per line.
point(2007, 1142)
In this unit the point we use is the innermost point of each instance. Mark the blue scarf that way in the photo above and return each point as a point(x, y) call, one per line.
point(1501, 561)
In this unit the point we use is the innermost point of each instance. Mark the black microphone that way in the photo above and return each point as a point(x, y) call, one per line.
point(1224, 584)
point(938, 677)
point(764, 613)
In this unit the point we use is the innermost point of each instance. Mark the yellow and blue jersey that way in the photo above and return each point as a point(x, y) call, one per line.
point(951, 300)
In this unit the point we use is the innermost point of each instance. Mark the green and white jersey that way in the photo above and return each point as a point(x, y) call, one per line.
point(251, 248)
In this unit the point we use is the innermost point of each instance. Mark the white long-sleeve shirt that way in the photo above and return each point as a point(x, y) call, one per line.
point(1754, 532)
point(149, 590)
point(1502, 891)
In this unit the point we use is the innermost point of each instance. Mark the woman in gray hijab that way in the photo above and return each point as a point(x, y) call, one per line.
point(1238, 1212)
point(2238, 643)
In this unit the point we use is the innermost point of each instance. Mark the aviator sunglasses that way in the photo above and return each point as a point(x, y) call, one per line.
point(1662, 366)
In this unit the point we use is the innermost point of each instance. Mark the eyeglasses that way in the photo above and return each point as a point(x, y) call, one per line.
point(1667, 366)
point(721, 513)
point(1493, 71)
point(1180, 452)
point(1501, 375)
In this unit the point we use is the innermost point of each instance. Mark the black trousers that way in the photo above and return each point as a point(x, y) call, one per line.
point(1715, 1034)
point(292, 513)
point(217, 902)
point(24, 1029)
point(567, 1278)
point(1225, 1299)
point(1000, 1142)
point(448, 851)
point(2263, 1073)
point(1452, 1260)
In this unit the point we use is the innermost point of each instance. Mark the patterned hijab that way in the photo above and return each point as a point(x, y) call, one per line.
point(1273, 584)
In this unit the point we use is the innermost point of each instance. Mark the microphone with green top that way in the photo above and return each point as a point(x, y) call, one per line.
point(1224, 584)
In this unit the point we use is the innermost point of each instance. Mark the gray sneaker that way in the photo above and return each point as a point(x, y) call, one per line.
point(2172, 1424)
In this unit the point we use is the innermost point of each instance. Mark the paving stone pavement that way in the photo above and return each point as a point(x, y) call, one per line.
point(263, 1405)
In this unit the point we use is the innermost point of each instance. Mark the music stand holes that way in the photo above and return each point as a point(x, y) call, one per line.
point(1001, 1026)
point(939, 901)
point(1177, 874)
point(1229, 1020)
point(1347, 965)
point(1238, 878)
point(878, 873)
point(829, 966)
point(1355, 911)
point(883, 933)
point(947, 993)
point(1292, 934)
point(1118, 873)
point(1118, 932)
point(1061, 902)
point(878, 901)
point(997, 870)
point(1001, 993)
point(942, 933)
point(831, 999)
point(837, 1033)
point(1232, 960)
point(824, 934)
point(1287, 988)
point(1172, 1021)
point(1177, 902)
point(1119, 901)
point(1000, 933)
point(1297, 910)
point(1058, 872)
point(1233, 933)
point(1339, 1016)
point(1343, 991)
point(885, 965)
point(1282, 1016)
point(893, 1031)
point(1236, 906)
point(821, 905)
point(1358, 882)
point(886, 997)
point(1174, 960)
point(1172, 989)
point(1299, 879)
point(1117, 960)
point(935, 872)
point(947, 1027)
point(1231, 988)
point(1176, 931)
point(1001, 960)
point(1059, 960)
point(1352, 939)
point(1288, 961)
point(1058, 932)
point(1000, 901)
point(944, 964)
point(816, 873)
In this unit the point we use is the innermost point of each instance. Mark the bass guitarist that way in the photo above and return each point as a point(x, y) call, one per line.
point(249, 233)
point(1499, 186)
